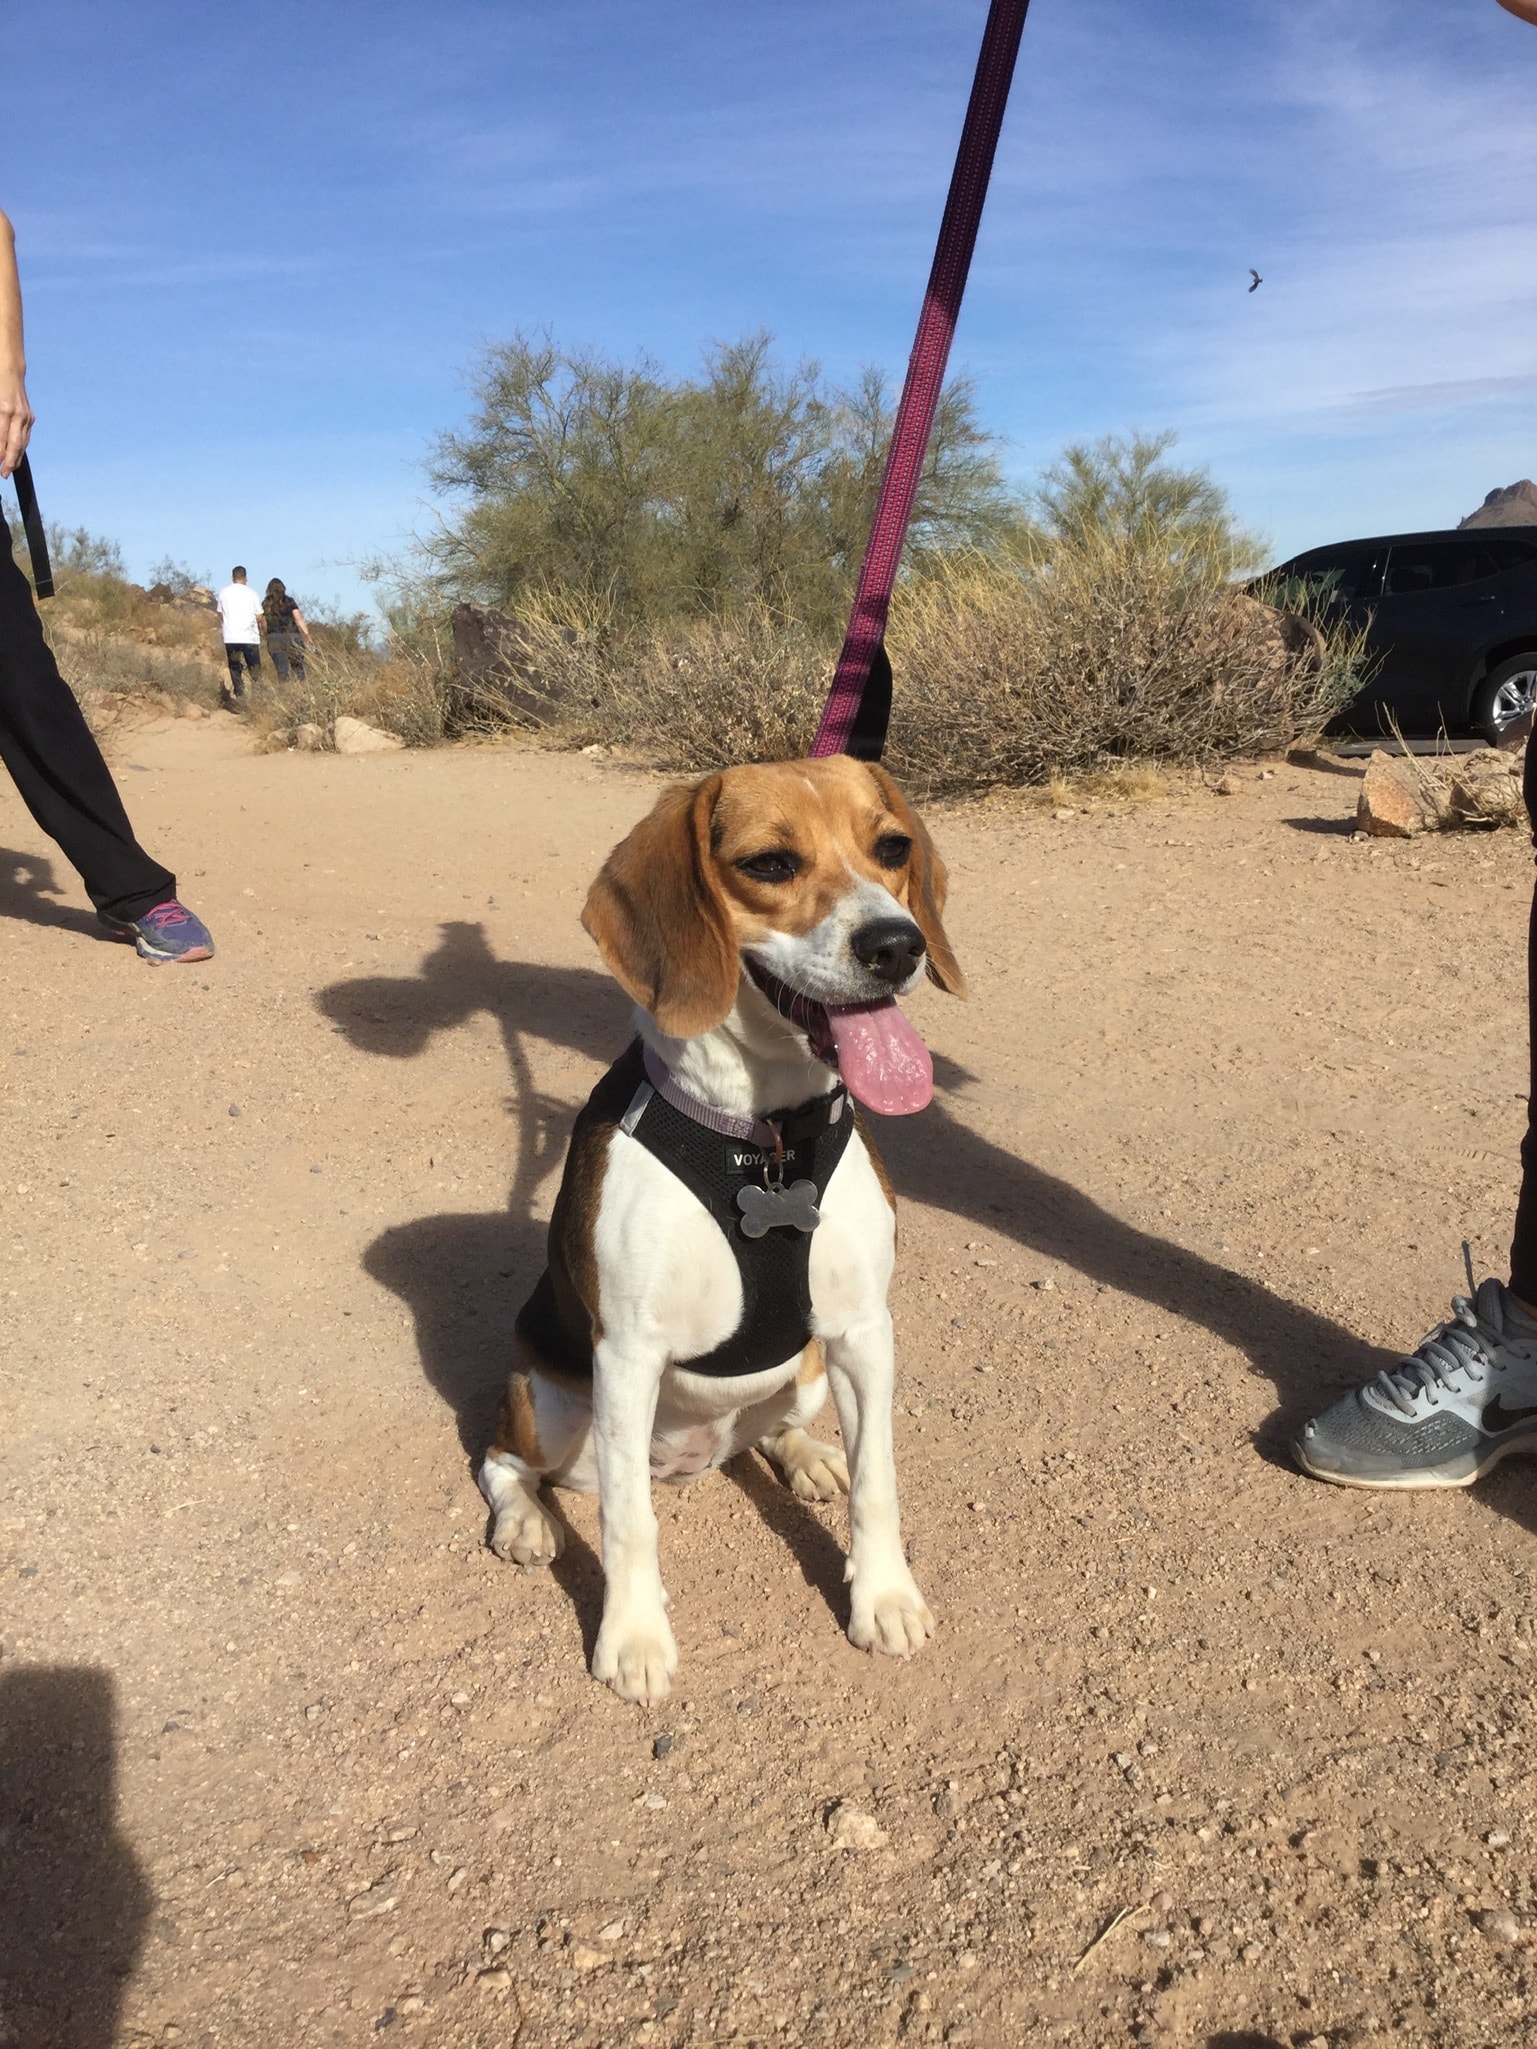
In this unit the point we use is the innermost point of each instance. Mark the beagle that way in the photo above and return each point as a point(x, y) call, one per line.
point(724, 1235)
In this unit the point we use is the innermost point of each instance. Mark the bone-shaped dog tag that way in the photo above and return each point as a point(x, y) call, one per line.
point(763, 1208)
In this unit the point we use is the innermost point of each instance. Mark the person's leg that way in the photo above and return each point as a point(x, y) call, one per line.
point(277, 649)
point(1467, 1396)
point(1523, 1248)
point(57, 766)
point(253, 662)
point(236, 668)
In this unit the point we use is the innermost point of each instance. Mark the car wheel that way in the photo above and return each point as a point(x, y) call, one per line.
point(1505, 700)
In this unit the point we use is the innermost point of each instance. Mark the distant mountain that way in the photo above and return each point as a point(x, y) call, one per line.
point(1512, 505)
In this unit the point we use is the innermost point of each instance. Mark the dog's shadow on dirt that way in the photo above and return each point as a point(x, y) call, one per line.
point(464, 1277)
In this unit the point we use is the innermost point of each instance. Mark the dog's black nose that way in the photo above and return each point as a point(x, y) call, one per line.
point(889, 947)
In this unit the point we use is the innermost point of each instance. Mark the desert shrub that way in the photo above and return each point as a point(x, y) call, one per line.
point(1112, 632)
point(704, 693)
point(95, 603)
point(1106, 652)
point(1003, 676)
point(113, 641)
point(395, 691)
point(83, 557)
point(94, 664)
point(178, 579)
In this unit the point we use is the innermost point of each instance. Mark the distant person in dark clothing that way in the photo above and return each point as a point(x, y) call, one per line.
point(287, 634)
point(44, 739)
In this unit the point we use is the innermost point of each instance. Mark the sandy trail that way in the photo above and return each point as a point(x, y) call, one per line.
point(285, 1753)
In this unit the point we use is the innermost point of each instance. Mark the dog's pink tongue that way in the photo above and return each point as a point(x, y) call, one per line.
point(882, 1059)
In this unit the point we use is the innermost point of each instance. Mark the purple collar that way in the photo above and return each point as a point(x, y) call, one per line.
point(783, 1128)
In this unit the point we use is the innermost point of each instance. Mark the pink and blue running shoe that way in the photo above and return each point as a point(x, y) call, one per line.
point(169, 932)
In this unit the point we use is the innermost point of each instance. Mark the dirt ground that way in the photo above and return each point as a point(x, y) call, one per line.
point(288, 1758)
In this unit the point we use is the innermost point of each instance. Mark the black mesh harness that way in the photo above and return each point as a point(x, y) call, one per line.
point(773, 1259)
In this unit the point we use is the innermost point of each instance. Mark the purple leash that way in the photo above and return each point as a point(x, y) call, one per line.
point(858, 707)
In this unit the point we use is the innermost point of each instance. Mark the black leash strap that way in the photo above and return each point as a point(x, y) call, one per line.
point(32, 526)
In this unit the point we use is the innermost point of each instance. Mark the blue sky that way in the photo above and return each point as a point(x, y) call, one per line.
point(260, 251)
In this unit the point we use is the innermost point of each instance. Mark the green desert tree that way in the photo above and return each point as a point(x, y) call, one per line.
point(1119, 493)
point(670, 498)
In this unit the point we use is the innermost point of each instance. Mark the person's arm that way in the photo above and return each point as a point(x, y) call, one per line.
point(299, 622)
point(1525, 10)
point(15, 413)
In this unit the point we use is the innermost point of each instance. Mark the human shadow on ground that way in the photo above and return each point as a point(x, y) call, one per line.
point(27, 890)
point(73, 1900)
point(938, 1160)
point(464, 1277)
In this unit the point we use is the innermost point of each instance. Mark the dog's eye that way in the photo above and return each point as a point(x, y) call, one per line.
point(892, 849)
point(776, 866)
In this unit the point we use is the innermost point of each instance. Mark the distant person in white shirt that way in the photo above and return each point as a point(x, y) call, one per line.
point(240, 613)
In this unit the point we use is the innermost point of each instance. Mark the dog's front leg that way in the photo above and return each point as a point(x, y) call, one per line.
point(888, 1612)
point(635, 1652)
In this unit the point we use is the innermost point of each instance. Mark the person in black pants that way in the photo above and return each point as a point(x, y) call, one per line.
point(1466, 1397)
point(45, 742)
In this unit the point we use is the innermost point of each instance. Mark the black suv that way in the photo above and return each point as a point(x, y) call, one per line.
point(1451, 621)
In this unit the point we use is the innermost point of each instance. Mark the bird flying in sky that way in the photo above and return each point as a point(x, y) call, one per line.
point(1258, 280)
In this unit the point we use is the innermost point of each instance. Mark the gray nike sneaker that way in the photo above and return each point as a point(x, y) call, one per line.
point(1465, 1399)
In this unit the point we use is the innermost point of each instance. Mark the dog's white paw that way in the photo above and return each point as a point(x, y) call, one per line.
point(895, 1619)
point(813, 1470)
point(523, 1531)
point(637, 1663)
point(527, 1534)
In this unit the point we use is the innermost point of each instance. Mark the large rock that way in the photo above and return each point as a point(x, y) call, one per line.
point(1400, 798)
point(1392, 804)
point(196, 597)
point(1295, 638)
point(356, 736)
point(1509, 505)
point(496, 670)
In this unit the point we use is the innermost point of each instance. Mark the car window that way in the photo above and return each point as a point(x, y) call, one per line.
point(1343, 574)
point(1420, 566)
point(1511, 551)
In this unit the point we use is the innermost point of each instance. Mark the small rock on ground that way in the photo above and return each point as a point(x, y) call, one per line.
point(850, 1828)
point(1499, 1926)
point(356, 736)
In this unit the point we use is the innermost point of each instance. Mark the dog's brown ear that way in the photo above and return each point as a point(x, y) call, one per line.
point(926, 884)
point(659, 915)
